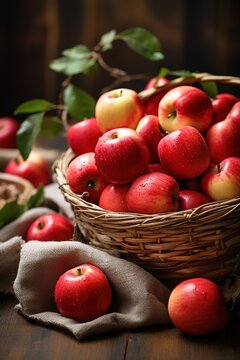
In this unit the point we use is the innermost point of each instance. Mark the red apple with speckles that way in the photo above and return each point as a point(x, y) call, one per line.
point(50, 227)
point(83, 177)
point(113, 198)
point(121, 155)
point(185, 106)
point(83, 293)
point(197, 307)
point(190, 199)
point(153, 193)
point(222, 104)
point(83, 136)
point(184, 153)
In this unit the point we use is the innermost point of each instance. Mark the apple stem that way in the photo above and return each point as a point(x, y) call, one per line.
point(90, 183)
point(218, 168)
point(41, 225)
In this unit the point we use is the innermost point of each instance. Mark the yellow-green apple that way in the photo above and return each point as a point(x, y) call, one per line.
point(84, 178)
point(118, 108)
point(222, 104)
point(222, 181)
point(190, 199)
point(153, 193)
point(83, 136)
point(50, 227)
point(223, 138)
point(183, 153)
point(35, 169)
point(149, 128)
point(151, 103)
point(113, 197)
point(197, 307)
point(121, 155)
point(185, 105)
point(8, 129)
point(83, 293)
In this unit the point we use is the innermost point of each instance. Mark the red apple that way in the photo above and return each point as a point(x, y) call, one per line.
point(185, 105)
point(83, 136)
point(121, 155)
point(222, 181)
point(222, 104)
point(150, 130)
point(119, 108)
point(192, 184)
point(35, 169)
point(153, 193)
point(156, 82)
point(190, 199)
point(50, 227)
point(184, 153)
point(151, 103)
point(223, 138)
point(83, 177)
point(113, 198)
point(197, 307)
point(83, 293)
point(156, 167)
point(8, 130)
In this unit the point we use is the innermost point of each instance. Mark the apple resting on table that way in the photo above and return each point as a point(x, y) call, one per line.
point(197, 307)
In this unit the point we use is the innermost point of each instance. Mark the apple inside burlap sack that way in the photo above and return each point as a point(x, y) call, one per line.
point(138, 298)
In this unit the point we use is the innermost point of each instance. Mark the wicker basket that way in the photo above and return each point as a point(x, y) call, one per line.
point(173, 246)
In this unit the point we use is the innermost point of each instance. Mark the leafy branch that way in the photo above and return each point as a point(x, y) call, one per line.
point(47, 119)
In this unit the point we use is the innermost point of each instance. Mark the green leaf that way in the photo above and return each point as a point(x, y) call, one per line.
point(210, 87)
point(36, 199)
point(28, 132)
point(51, 127)
point(33, 106)
point(71, 66)
point(10, 211)
point(79, 103)
point(107, 40)
point(143, 42)
point(77, 52)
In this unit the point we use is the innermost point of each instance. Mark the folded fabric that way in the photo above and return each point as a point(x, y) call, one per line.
point(12, 235)
point(139, 299)
point(9, 260)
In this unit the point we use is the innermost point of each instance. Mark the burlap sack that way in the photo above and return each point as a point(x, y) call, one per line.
point(12, 235)
point(139, 299)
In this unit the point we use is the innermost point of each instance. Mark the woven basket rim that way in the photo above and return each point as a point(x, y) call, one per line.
point(190, 215)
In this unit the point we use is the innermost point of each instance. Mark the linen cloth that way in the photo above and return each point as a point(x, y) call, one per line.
point(139, 299)
point(12, 236)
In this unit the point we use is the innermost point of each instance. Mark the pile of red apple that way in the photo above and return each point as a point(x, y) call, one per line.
point(174, 151)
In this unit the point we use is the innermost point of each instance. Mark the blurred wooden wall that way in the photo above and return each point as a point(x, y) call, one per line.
point(195, 35)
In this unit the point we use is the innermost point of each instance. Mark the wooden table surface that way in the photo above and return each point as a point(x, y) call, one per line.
point(23, 339)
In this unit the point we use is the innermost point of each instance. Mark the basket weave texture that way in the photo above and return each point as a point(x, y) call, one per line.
point(204, 241)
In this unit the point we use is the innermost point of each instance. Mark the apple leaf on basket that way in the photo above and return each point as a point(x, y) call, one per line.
point(12, 209)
